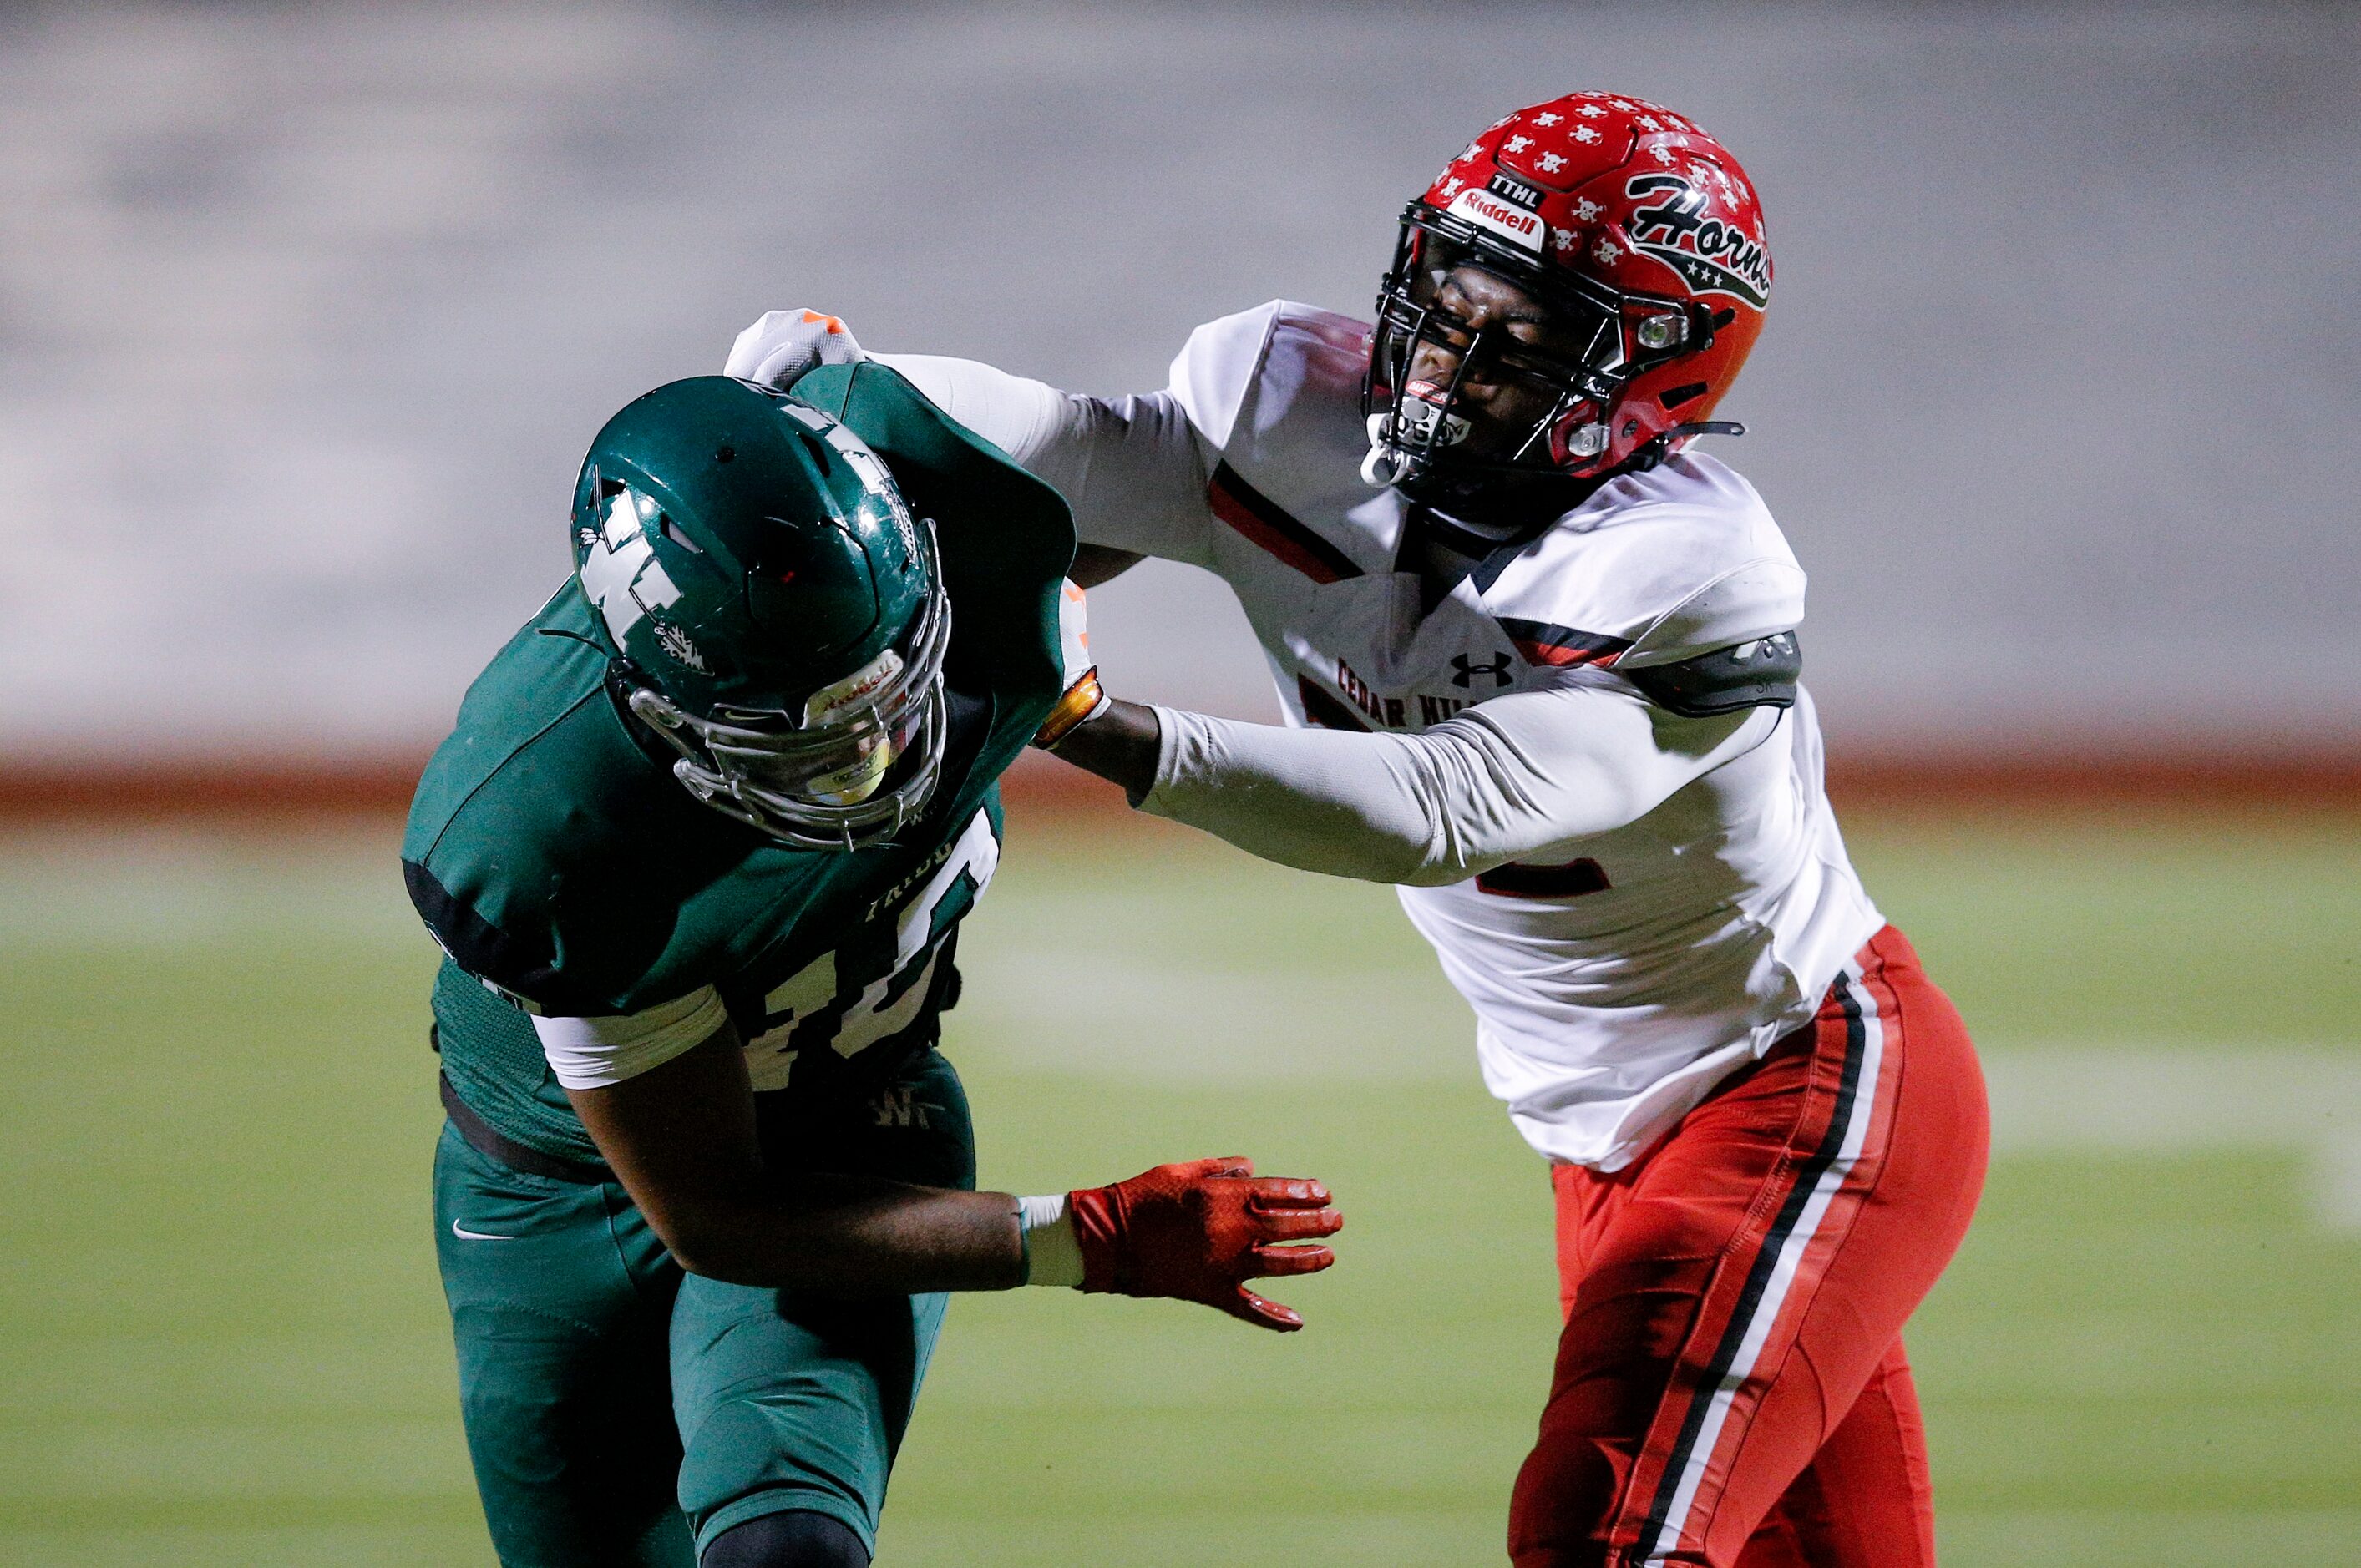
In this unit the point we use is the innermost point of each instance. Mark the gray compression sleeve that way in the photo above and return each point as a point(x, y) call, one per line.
point(1133, 469)
point(1495, 783)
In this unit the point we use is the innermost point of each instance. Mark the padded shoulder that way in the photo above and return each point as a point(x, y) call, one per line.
point(1745, 603)
point(547, 852)
point(1653, 569)
point(1007, 538)
point(946, 471)
point(542, 672)
point(1764, 673)
point(1216, 367)
point(1243, 377)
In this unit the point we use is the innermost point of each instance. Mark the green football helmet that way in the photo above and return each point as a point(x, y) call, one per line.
point(774, 611)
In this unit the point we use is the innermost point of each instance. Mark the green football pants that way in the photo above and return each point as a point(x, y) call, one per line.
point(621, 1412)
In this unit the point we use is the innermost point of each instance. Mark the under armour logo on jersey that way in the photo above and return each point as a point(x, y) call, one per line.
point(1468, 670)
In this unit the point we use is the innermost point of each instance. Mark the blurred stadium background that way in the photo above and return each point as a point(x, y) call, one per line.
point(307, 312)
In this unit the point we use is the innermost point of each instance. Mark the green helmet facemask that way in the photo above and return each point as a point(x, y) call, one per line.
point(776, 614)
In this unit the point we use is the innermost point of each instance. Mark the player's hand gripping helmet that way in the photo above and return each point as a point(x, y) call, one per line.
point(772, 609)
point(1575, 291)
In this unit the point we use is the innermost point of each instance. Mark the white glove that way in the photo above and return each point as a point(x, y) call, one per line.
point(1085, 699)
point(783, 344)
point(1075, 633)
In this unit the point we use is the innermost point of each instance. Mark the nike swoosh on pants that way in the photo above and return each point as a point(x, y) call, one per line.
point(464, 1234)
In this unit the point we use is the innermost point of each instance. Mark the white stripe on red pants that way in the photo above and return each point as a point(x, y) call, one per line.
point(1730, 1387)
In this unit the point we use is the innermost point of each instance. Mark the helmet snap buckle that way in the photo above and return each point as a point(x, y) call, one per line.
point(1383, 464)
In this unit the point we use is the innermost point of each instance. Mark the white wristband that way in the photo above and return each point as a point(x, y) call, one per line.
point(1050, 1246)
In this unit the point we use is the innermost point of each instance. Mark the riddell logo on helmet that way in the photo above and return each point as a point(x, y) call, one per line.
point(1715, 257)
point(1487, 211)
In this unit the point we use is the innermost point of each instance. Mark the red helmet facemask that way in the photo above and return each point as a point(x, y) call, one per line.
point(1629, 247)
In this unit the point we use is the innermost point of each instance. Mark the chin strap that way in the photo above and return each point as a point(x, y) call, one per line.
point(1387, 464)
point(1657, 451)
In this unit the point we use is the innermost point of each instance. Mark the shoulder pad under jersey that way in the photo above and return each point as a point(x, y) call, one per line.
point(1006, 537)
point(550, 855)
point(1653, 569)
point(1274, 394)
point(1243, 375)
point(1762, 672)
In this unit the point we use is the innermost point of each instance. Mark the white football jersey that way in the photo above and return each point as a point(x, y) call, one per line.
point(1615, 977)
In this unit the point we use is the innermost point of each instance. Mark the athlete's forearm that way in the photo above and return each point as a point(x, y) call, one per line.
point(1028, 420)
point(851, 1235)
point(1120, 745)
point(1524, 773)
point(680, 1138)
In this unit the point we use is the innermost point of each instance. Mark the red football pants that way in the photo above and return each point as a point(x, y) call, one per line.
point(1730, 1387)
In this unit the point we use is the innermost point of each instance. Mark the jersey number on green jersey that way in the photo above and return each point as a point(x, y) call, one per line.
point(875, 984)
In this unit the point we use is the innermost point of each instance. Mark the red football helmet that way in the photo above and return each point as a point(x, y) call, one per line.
point(1641, 241)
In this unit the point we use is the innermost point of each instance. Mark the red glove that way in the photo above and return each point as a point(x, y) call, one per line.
point(1198, 1232)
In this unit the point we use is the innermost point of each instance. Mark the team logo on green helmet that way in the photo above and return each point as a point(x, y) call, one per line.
point(682, 650)
point(619, 573)
point(778, 612)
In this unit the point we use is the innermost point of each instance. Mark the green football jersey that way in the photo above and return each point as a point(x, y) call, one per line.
point(565, 871)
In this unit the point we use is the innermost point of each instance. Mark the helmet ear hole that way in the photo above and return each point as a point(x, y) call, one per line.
point(1577, 437)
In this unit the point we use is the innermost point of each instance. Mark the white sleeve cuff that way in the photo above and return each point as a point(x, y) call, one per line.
point(591, 1053)
point(1053, 1252)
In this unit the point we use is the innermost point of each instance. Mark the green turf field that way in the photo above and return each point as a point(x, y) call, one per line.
point(221, 1343)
